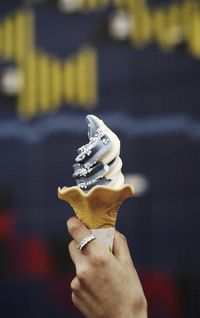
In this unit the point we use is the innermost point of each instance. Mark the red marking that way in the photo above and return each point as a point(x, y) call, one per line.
point(7, 226)
point(33, 258)
point(162, 295)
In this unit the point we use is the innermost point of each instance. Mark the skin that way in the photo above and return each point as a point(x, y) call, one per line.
point(106, 285)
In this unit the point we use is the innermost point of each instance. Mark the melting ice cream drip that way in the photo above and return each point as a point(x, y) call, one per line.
point(98, 161)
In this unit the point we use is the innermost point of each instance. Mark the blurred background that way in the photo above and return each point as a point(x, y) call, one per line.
point(135, 64)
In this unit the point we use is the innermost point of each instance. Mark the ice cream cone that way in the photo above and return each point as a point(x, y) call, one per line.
point(97, 208)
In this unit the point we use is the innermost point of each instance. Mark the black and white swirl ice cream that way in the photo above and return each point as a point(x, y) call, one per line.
point(98, 162)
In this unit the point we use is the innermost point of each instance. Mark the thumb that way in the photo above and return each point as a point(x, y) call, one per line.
point(121, 250)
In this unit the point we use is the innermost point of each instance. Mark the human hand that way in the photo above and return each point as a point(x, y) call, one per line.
point(106, 285)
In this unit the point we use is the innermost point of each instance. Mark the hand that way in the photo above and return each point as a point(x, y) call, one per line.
point(106, 285)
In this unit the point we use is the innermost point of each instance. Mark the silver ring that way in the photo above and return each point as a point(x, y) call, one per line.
point(85, 241)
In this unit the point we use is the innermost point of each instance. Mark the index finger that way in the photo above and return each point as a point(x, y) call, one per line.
point(79, 231)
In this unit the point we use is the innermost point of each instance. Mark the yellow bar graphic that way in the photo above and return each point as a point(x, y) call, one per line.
point(20, 36)
point(103, 2)
point(81, 4)
point(7, 35)
point(92, 4)
point(27, 104)
point(82, 78)
point(91, 76)
point(136, 11)
point(174, 15)
point(31, 84)
point(119, 3)
point(30, 29)
point(43, 83)
point(1, 39)
point(55, 83)
point(194, 39)
point(147, 30)
point(132, 6)
point(69, 80)
point(17, 35)
point(159, 26)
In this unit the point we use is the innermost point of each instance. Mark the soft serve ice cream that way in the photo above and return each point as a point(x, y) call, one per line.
point(98, 162)
point(100, 188)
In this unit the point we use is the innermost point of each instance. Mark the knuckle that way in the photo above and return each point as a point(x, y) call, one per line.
point(81, 274)
point(74, 299)
point(145, 303)
point(75, 285)
point(140, 302)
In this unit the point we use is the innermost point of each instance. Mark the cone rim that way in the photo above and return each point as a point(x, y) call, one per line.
point(65, 189)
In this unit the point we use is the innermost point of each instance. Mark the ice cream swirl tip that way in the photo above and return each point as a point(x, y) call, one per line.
point(98, 161)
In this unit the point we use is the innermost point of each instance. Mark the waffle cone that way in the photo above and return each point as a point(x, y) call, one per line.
point(97, 208)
